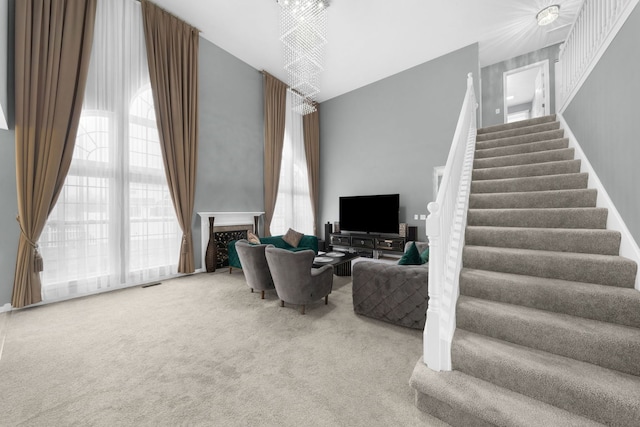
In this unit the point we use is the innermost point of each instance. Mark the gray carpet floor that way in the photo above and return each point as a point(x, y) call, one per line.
point(203, 350)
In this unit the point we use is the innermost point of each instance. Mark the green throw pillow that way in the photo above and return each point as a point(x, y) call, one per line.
point(411, 256)
point(424, 256)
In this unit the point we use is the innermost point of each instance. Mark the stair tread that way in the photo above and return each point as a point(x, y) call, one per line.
point(611, 270)
point(593, 341)
point(520, 123)
point(567, 181)
point(539, 217)
point(519, 139)
point(605, 394)
point(535, 169)
point(527, 147)
point(489, 402)
point(581, 240)
point(537, 157)
point(566, 255)
point(525, 130)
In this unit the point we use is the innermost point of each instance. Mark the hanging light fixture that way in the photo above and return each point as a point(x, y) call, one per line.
point(547, 15)
point(303, 29)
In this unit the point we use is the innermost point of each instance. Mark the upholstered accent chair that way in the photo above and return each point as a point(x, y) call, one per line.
point(295, 280)
point(256, 270)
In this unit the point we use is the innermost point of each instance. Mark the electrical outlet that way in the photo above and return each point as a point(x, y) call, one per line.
point(497, 111)
point(423, 216)
point(415, 217)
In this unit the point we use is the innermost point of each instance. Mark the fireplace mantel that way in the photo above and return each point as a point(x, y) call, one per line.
point(222, 219)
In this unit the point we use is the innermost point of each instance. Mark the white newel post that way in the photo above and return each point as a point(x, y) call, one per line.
point(222, 219)
point(431, 340)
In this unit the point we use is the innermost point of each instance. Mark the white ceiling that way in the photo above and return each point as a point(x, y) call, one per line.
point(372, 39)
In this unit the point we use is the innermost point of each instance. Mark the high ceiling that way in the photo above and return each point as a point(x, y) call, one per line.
point(372, 39)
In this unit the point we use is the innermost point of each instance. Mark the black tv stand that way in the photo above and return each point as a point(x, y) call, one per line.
point(369, 243)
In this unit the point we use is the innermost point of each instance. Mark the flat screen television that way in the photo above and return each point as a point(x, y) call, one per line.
point(370, 214)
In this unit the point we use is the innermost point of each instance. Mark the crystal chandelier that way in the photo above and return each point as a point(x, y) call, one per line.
point(547, 15)
point(303, 29)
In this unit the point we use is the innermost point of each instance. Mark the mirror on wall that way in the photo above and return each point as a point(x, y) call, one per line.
point(526, 92)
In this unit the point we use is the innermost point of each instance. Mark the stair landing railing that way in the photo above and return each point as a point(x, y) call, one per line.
point(445, 229)
point(595, 26)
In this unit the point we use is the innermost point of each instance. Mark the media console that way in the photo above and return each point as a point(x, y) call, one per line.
point(368, 245)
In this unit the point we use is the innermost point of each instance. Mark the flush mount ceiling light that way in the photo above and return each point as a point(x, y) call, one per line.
point(547, 15)
point(303, 32)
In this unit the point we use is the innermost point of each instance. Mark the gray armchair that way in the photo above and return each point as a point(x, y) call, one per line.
point(254, 265)
point(295, 281)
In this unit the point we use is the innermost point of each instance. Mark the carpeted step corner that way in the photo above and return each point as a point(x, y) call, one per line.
point(463, 400)
point(532, 183)
point(590, 241)
point(589, 268)
point(600, 394)
point(589, 300)
point(600, 343)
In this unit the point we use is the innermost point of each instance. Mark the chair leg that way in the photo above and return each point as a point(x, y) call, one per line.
point(230, 268)
point(326, 300)
point(262, 295)
point(303, 306)
point(281, 303)
point(251, 290)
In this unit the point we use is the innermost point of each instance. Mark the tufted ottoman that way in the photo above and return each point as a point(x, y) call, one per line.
point(397, 294)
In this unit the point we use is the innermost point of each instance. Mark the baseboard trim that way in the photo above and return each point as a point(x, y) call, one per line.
point(628, 246)
point(5, 308)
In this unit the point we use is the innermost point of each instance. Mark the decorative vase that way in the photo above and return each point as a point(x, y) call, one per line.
point(211, 255)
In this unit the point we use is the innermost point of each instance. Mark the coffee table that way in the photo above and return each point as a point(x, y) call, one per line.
point(341, 264)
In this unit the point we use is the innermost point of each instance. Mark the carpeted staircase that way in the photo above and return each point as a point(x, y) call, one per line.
point(548, 322)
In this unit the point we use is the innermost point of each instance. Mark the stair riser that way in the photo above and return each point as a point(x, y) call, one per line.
point(537, 183)
point(452, 416)
point(522, 139)
point(518, 124)
point(555, 144)
point(539, 218)
point(519, 131)
point(602, 303)
point(614, 271)
point(540, 383)
point(609, 346)
point(525, 159)
point(551, 168)
point(599, 242)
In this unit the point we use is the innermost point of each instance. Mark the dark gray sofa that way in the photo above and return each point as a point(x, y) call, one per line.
point(393, 293)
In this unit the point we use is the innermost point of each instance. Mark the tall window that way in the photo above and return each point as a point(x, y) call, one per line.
point(293, 203)
point(114, 223)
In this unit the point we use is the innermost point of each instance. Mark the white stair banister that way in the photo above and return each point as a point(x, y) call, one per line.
point(445, 230)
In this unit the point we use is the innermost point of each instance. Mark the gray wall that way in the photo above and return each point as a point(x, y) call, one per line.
point(604, 118)
point(230, 155)
point(231, 151)
point(492, 82)
point(388, 136)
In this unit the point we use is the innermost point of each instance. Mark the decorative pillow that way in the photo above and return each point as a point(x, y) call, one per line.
point(292, 237)
point(411, 256)
point(253, 239)
point(424, 256)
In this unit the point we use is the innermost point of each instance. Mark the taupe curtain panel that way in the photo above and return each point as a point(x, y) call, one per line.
point(53, 41)
point(311, 130)
point(275, 104)
point(172, 54)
